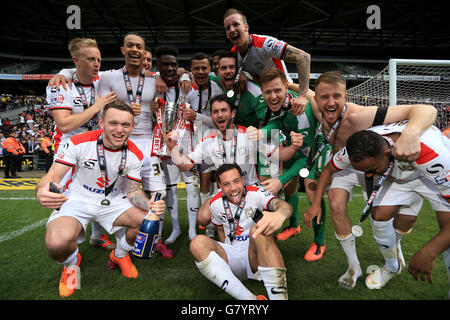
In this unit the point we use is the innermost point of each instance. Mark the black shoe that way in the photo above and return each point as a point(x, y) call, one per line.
point(7, 177)
point(16, 177)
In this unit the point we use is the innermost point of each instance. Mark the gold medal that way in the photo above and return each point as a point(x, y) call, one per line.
point(105, 202)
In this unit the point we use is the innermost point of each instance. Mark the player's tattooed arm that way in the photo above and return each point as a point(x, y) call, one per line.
point(272, 220)
point(281, 206)
point(136, 196)
point(302, 60)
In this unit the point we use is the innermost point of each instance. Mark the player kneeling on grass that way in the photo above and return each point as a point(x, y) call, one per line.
point(105, 188)
point(406, 185)
point(246, 249)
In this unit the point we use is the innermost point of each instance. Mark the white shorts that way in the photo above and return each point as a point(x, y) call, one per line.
point(238, 260)
point(152, 173)
point(173, 173)
point(409, 196)
point(205, 168)
point(346, 179)
point(87, 210)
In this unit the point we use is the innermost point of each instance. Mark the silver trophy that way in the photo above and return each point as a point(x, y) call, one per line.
point(169, 119)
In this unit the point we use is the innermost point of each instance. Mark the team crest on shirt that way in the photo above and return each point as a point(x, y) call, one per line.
point(249, 212)
point(57, 99)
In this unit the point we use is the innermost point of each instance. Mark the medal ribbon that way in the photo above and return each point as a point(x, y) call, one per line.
point(233, 221)
point(233, 146)
point(90, 124)
point(330, 134)
point(102, 163)
point(140, 87)
point(377, 187)
point(201, 107)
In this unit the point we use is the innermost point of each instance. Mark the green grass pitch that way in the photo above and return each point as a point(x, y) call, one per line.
point(27, 273)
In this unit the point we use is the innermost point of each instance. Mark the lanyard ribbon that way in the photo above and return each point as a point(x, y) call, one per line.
point(233, 146)
point(140, 87)
point(102, 163)
point(280, 113)
point(233, 221)
point(330, 134)
point(92, 122)
point(377, 187)
point(202, 106)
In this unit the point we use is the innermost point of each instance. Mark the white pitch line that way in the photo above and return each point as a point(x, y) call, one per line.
point(16, 233)
point(17, 198)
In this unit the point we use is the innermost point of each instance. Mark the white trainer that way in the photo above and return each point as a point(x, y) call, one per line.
point(378, 278)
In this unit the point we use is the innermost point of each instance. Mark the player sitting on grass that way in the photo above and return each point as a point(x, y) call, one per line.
point(246, 250)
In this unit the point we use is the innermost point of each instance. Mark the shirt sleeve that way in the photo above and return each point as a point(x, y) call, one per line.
point(134, 169)
point(434, 163)
point(274, 47)
point(67, 73)
point(264, 197)
point(341, 160)
point(293, 170)
point(59, 99)
point(103, 84)
point(214, 209)
point(197, 156)
point(68, 154)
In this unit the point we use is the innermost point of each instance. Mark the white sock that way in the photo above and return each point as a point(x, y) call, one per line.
point(215, 269)
point(161, 222)
point(71, 260)
point(384, 234)
point(348, 244)
point(204, 197)
point(122, 247)
point(97, 230)
point(446, 255)
point(172, 206)
point(192, 205)
point(398, 238)
point(275, 282)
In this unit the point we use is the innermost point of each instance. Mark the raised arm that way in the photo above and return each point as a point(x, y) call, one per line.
point(68, 121)
point(420, 117)
point(303, 62)
point(180, 160)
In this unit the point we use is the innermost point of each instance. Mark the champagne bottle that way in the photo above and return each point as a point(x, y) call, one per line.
point(147, 236)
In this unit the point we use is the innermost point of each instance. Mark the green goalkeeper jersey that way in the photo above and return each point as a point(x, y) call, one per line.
point(306, 124)
point(251, 106)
